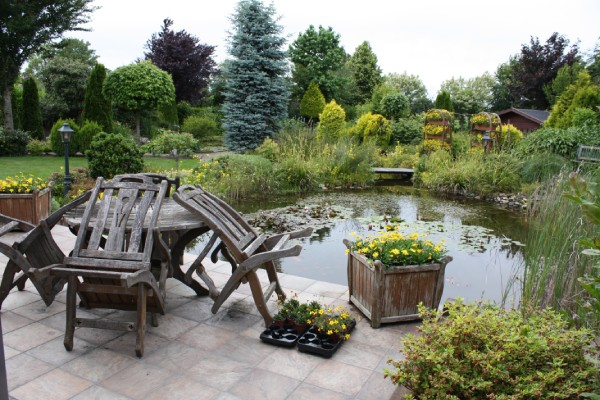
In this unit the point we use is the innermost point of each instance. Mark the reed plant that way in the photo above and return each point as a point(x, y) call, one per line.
point(552, 257)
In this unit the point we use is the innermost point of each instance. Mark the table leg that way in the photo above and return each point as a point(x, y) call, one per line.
point(177, 250)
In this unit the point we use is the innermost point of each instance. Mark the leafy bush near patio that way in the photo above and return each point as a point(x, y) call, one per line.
point(563, 142)
point(112, 154)
point(166, 141)
point(38, 147)
point(13, 143)
point(481, 351)
point(86, 134)
point(202, 127)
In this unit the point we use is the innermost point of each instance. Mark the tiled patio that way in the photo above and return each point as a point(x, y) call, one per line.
point(192, 354)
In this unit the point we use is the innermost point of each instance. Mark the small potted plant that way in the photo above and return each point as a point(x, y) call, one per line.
point(332, 323)
point(390, 273)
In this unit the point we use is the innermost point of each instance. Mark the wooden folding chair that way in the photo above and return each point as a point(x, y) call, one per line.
point(112, 264)
point(244, 248)
point(37, 249)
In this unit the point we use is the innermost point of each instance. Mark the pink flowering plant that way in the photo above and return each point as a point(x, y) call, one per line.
point(394, 248)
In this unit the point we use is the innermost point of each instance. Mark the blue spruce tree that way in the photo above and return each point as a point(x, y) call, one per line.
point(256, 93)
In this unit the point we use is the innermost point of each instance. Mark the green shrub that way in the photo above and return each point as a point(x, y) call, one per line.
point(86, 134)
point(374, 127)
point(563, 142)
point(400, 157)
point(332, 122)
point(112, 154)
point(509, 138)
point(38, 147)
point(407, 131)
point(296, 175)
point(461, 143)
point(485, 352)
point(201, 127)
point(269, 149)
point(312, 102)
point(13, 143)
point(345, 164)
point(121, 129)
point(166, 141)
point(56, 139)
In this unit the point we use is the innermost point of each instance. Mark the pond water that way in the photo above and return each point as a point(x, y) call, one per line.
point(484, 240)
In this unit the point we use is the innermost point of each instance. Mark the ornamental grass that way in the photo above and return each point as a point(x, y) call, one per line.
point(393, 248)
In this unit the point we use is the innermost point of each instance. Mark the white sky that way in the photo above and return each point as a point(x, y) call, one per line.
point(434, 39)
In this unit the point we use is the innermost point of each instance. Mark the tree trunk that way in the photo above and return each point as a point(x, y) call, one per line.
point(138, 117)
point(8, 115)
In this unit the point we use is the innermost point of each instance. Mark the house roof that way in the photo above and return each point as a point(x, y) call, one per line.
point(538, 116)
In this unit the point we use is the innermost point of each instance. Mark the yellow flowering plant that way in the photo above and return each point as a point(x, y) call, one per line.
point(332, 321)
point(394, 248)
point(22, 184)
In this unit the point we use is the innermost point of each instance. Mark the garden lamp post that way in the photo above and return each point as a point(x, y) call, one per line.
point(486, 141)
point(65, 133)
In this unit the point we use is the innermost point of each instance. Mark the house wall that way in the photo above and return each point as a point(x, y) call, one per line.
point(523, 124)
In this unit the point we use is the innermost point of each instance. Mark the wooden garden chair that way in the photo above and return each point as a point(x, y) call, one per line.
point(36, 249)
point(244, 248)
point(112, 264)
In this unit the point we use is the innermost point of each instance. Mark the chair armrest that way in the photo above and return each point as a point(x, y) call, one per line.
point(161, 246)
point(259, 259)
point(56, 216)
point(273, 240)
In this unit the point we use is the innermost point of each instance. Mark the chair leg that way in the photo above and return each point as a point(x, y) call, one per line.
point(71, 312)
point(154, 319)
point(21, 283)
point(273, 277)
point(7, 280)
point(141, 320)
point(258, 297)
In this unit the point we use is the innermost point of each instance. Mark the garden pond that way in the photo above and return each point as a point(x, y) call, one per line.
point(484, 240)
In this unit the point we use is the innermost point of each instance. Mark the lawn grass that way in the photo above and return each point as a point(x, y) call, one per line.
point(43, 166)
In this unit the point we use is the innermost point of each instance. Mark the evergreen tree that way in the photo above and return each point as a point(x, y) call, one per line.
point(256, 92)
point(17, 106)
point(96, 107)
point(365, 70)
point(313, 102)
point(32, 116)
point(443, 101)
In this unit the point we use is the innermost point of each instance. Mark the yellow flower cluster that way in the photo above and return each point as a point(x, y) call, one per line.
point(21, 184)
point(392, 247)
point(332, 321)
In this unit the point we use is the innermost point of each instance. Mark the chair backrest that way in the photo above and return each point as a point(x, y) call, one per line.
point(116, 218)
point(222, 219)
point(173, 183)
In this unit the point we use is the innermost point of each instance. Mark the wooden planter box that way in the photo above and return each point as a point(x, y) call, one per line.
point(393, 295)
point(30, 207)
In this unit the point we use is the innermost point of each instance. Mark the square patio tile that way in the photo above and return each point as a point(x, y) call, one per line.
point(137, 381)
point(290, 362)
point(205, 337)
point(326, 289)
point(56, 383)
point(195, 310)
point(183, 388)
point(16, 299)
point(339, 377)
point(38, 310)
point(12, 321)
point(125, 344)
point(23, 368)
point(9, 352)
point(171, 326)
point(54, 352)
point(306, 391)
point(30, 336)
point(176, 356)
point(233, 320)
point(267, 385)
point(218, 372)
point(377, 387)
point(99, 393)
point(98, 365)
point(293, 283)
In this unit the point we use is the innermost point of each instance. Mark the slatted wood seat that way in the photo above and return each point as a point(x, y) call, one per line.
point(244, 248)
point(36, 249)
point(112, 264)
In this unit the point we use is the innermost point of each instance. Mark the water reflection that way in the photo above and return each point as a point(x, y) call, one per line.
point(482, 239)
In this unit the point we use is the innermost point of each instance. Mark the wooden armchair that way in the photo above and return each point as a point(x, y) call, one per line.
point(112, 264)
point(37, 249)
point(244, 248)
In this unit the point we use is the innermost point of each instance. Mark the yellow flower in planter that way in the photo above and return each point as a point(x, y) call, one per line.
point(21, 184)
point(394, 248)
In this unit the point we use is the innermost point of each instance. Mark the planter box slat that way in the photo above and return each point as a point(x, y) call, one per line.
point(30, 207)
point(393, 295)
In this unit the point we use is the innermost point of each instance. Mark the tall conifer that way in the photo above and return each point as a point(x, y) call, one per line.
point(32, 116)
point(96, 107)
point(256, 93)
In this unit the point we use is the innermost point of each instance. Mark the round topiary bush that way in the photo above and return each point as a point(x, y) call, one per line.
point(111, 154)
point(481, 351)
point(374, 126)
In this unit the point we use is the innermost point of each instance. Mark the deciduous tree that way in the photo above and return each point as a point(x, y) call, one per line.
point(137, 87)
point(470, 96)
point(537, 66)
point(412, 87)
point(256, 93)
point(27, 25)
point(189, 62)
point(317, 55)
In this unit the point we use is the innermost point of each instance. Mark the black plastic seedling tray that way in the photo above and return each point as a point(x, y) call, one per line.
point(285, 337)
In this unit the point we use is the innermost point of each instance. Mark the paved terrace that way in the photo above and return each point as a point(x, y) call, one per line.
point(192, 354)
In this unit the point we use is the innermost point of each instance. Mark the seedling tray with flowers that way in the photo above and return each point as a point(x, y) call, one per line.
point(290, 322)
point(285, 336)
point(322, 344)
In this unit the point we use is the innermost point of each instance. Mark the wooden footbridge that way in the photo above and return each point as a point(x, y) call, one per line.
point(402, 173)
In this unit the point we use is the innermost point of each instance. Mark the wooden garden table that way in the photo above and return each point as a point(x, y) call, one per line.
point(177, 225)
